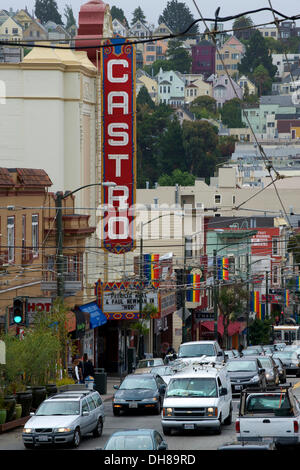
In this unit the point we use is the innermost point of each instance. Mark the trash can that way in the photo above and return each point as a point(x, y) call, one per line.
point(89, 382)
point(100, 381)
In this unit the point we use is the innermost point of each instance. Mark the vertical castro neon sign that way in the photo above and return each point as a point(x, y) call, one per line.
point(118, 108)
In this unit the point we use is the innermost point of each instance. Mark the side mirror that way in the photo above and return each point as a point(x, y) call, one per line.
point(85, 413)
point(162, 446)
point(162, 388)
point(116, 387)
point(220, 353)
point(31, 413)
point(174, 356)
point(262, 371)
point(223, 391)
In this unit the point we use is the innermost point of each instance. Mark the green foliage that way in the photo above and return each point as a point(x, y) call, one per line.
point(183, 178)
point(262, 80)
point(170, 150)
point(260, 331)
point(294, 247)
point(47, 10)
point(257, 54)
point(118, 13)
point(231, 302)
point(178, 56)
point(178, 17)
point(144, 98)
point(204, 107)
point(231, 113)
point(240, 23)
point(70, 19)
point(138, 15)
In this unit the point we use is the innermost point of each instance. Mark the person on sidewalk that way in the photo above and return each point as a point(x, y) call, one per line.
point(87, 366)
point(77, 372)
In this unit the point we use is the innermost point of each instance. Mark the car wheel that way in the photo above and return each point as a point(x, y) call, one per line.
point(76, 438)
point(116, 412)
point(29, 446)
point(99, 428)
point(167, 431)
point(228, 420)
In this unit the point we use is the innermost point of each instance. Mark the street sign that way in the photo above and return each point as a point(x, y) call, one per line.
point(69, 286)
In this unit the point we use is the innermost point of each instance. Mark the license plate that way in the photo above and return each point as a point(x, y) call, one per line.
point(238, 387)
point(43, 438)
point(189, 426)
point(133, 405)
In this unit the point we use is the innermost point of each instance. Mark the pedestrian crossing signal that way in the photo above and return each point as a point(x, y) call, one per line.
point(18, 311)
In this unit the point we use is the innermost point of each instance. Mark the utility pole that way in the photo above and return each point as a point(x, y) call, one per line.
point(59, 245)
point(184, 295)
point(215, 298)
point(267, 294)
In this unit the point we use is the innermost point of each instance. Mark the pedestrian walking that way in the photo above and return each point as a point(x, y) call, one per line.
point(88, 368)
point(77, 372)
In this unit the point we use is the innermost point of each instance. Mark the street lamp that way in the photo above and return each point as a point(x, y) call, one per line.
point(59, 233)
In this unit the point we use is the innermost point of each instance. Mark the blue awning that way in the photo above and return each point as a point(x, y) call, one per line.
point(97, 317)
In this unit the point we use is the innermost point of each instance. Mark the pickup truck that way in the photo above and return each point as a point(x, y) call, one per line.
point(269, 415)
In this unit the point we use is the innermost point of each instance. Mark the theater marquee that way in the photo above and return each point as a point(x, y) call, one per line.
point(118, 106)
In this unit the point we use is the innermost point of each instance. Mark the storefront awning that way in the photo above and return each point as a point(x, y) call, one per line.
point(97, 317)
point(233, 327)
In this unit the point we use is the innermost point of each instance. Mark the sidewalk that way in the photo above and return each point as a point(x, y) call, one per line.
point(111, 381)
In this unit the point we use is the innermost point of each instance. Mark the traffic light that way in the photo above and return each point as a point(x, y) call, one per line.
point(18, 311)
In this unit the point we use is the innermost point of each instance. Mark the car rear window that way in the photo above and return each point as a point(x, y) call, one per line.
point(278, 404)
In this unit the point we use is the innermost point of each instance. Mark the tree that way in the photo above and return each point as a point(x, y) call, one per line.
point(118, 13)
point(200, 140)
point(178, 17)
point(179, 56)
point(262, 79)
point(47, 10)
point(231, 113)
point(138, 15)
point(231, 302)
point(170, 154)
point(70, 19)
point(182, 178)
point(241, 24)
point(155, 67)
point(204, 107)
point(256, 54)
point(143, 98)
point(260, 331)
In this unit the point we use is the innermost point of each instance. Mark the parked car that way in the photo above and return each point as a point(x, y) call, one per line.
point(251, 352)
point(145, 365)
point(257, 348)
point(279, 346)
point(136, 439)
point(139, 392)
point(246, 372)
point(64, 418)
point(281, 369)
point(290, 359)
point(271, 369)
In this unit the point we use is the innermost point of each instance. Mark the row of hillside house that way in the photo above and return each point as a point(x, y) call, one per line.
point(275, 117)
point(176, 89)
point(22, 26)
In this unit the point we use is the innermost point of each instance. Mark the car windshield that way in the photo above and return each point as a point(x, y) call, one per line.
point(241, 366)
point(135, 442)
point(250, 352)
point(266, 362)
point(149, 363)
point(162, 370)
point(195, 387)
point(58, 408)
point(196, 350)
point(131, 383)
point(284, 354)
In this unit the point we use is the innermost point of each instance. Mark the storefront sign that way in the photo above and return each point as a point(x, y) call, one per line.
point(35, 305)
point(118, 146)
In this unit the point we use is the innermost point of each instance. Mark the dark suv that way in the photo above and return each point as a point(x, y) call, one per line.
point(246, 372)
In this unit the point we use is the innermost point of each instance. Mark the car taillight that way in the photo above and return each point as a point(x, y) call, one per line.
point(296, 426)
point(237, 426)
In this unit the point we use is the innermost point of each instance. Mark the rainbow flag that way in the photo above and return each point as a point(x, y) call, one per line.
point(287, 298)
point(262, 311)
point(298, 283)
point(151, 269)
point(254, 302)
point(223, 269)
point(193, 288)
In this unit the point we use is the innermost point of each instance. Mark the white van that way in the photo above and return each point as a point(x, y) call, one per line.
point(198, 397)
point(207, 351)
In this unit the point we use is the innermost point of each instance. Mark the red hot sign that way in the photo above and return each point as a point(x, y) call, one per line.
point(118, 145)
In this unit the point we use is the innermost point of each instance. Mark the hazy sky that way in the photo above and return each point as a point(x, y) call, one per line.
point(153, 8)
